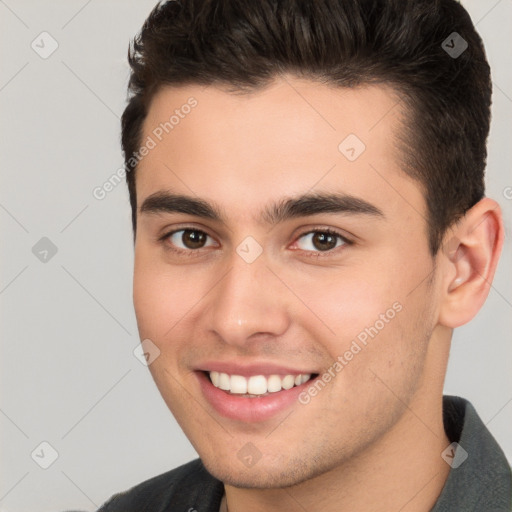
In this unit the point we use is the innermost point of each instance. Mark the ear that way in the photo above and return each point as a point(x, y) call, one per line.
point(469, 258)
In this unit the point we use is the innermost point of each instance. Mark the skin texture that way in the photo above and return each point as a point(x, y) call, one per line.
point(372, 438)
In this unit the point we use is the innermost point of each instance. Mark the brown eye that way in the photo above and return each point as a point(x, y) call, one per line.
point(188, 239)
point(324, 241)
point(320, 241)
point(193, 239)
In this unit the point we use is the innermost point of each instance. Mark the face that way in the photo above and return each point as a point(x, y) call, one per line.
point(272, 249)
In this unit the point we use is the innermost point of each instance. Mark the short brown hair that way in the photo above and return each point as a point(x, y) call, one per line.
point(245, 44)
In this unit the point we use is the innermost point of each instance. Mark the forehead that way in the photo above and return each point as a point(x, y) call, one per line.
point(288, 138)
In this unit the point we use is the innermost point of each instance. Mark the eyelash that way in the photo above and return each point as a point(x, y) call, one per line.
point(309, 254)
point(324, 254)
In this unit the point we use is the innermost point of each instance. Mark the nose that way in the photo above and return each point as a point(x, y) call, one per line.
point(248, 303)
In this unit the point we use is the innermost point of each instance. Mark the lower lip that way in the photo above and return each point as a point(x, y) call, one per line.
point(249, 410)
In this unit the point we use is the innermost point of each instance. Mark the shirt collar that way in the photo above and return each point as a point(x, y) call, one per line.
point(480, 478)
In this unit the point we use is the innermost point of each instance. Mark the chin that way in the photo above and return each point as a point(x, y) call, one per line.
point(261, 475)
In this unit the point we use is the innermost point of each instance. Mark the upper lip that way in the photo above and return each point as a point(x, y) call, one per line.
point(247, 370)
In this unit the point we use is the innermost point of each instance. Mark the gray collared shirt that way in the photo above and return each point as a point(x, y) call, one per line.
point(482, 482)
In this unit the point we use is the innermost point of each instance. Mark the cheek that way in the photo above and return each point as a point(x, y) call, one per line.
point(339, 304)
point(365, 318)
point(162, 294)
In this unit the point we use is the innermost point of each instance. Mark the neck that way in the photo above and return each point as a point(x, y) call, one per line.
point(407, 475)
point(403, 470)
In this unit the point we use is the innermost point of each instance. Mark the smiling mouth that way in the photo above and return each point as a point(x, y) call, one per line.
point(256, 385)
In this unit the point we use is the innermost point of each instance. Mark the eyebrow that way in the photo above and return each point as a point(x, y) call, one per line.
point(300, 206)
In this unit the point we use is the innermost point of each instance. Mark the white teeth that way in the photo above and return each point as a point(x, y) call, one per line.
point(288, 382)
point(305, 377)
point(238, 384)
point(256, 385)
point(223, 382)
point(274, 383)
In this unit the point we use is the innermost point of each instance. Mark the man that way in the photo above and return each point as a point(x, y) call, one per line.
point(307, 188)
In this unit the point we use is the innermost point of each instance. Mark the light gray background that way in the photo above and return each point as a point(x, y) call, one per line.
point(68, 373)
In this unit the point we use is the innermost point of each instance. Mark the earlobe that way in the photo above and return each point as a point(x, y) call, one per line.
point(469, 261)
